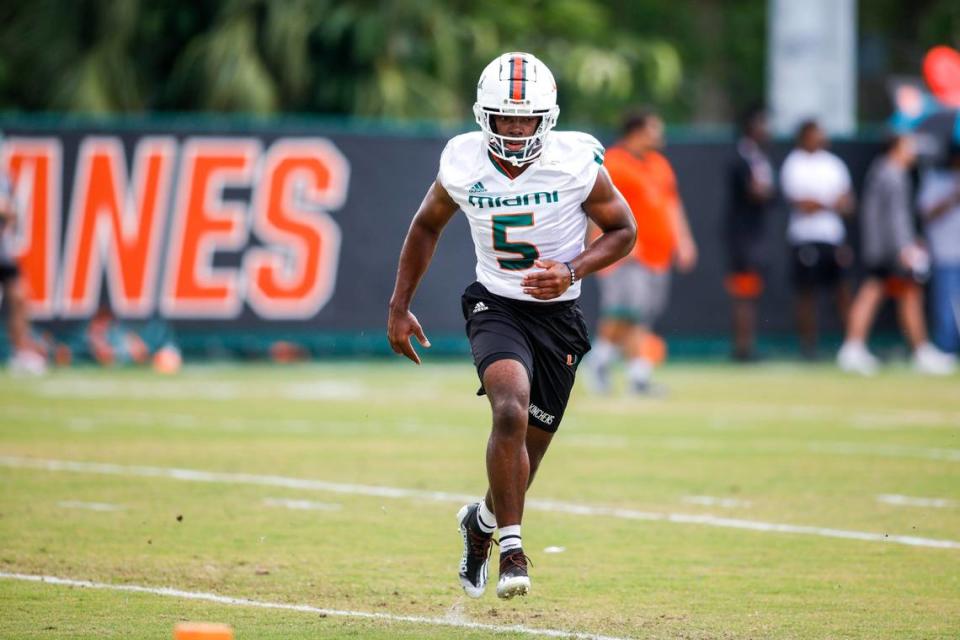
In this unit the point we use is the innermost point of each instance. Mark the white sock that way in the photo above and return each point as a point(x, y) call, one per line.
point(639, 370)
point(604, 352)
point(510, 538)
point(485, 518)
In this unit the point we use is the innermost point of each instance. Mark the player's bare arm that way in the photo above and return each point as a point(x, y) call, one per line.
point(686, 246)
point(846, 204)
point(434, 213)
point(808, 205)
point(607, 209)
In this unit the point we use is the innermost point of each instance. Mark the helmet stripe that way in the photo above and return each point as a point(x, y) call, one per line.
point(523, 75)
point(517, 76)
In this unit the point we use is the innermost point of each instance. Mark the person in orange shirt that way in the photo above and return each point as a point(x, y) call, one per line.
point(634, 291)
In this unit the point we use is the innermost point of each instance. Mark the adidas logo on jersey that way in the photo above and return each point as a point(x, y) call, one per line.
point(478, 188)
point(479, 307)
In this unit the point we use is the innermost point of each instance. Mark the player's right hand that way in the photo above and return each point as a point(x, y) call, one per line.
point(400, 326)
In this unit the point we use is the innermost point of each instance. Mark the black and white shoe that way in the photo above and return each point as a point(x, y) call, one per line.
point(474, 564)
point(514, 580)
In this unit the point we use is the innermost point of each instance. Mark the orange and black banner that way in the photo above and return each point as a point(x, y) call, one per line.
point(291, 227)
point(242, 228)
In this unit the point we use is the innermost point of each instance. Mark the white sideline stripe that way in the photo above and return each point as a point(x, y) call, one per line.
point(304, 505)
point(41, 416)
point(553, 506)
point(714, 501)
point(193, 475)
point(910, 501)
point(219, 391)
point(304, 608)
point(737, 523)
point(90, 506)
point(891, 451)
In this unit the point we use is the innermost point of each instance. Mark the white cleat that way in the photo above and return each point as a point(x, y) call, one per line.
point(928, 360)
point(514, 580)
point(507, 588)
point(28, 363)
point(854, 357)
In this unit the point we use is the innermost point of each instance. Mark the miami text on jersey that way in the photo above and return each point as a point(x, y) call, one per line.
point(522, 200)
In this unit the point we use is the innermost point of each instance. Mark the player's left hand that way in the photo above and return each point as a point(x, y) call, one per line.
point(549, 283)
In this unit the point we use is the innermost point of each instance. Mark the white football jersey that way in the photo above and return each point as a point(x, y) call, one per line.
point(538, 215)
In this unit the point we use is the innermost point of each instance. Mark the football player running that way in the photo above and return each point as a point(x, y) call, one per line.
point(528, 193)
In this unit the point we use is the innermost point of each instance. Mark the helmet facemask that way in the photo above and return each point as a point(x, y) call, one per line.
point(532, 145)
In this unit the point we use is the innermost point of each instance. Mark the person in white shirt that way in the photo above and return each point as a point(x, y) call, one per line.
point(939, 202)
point(527, 193)
point(817, 187)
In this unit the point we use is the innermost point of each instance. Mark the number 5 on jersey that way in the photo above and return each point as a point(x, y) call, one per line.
point(528, 251)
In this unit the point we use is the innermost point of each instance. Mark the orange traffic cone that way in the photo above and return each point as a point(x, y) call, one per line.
point(202, 631)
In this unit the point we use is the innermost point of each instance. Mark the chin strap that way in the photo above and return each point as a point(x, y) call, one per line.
point(517, 163)
point(512, 160)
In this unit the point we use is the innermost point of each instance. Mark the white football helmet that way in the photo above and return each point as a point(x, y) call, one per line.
point(516, 84)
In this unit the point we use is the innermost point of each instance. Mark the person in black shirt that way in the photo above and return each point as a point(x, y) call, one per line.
point(751, 194)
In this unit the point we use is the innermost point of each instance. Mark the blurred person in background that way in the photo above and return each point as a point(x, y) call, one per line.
point(24, 358)
point(940, 207)
point(634, 292)
point(896, 264)
point(111, 343)
point(751, 196)
point(818, 190)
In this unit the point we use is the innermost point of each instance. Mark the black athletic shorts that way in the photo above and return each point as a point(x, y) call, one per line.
point(818, 264)
point(746, 251)
point(885, 270)
point(893, 270)
point(548, 338)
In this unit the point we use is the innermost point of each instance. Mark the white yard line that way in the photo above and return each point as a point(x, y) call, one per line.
point(302, 505)
point(305, 608)
point(885, 450)
point(764, 446)
point(193, 475)
point(552, 506)
point(911, 501)
point(598, 440)
point(178, 421)
point(714, 501)
point(89, 506)
point(187, 422)
point(321, 389)
point(909, 418)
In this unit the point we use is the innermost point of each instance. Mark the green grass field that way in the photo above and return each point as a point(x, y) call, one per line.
point(316, 485)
